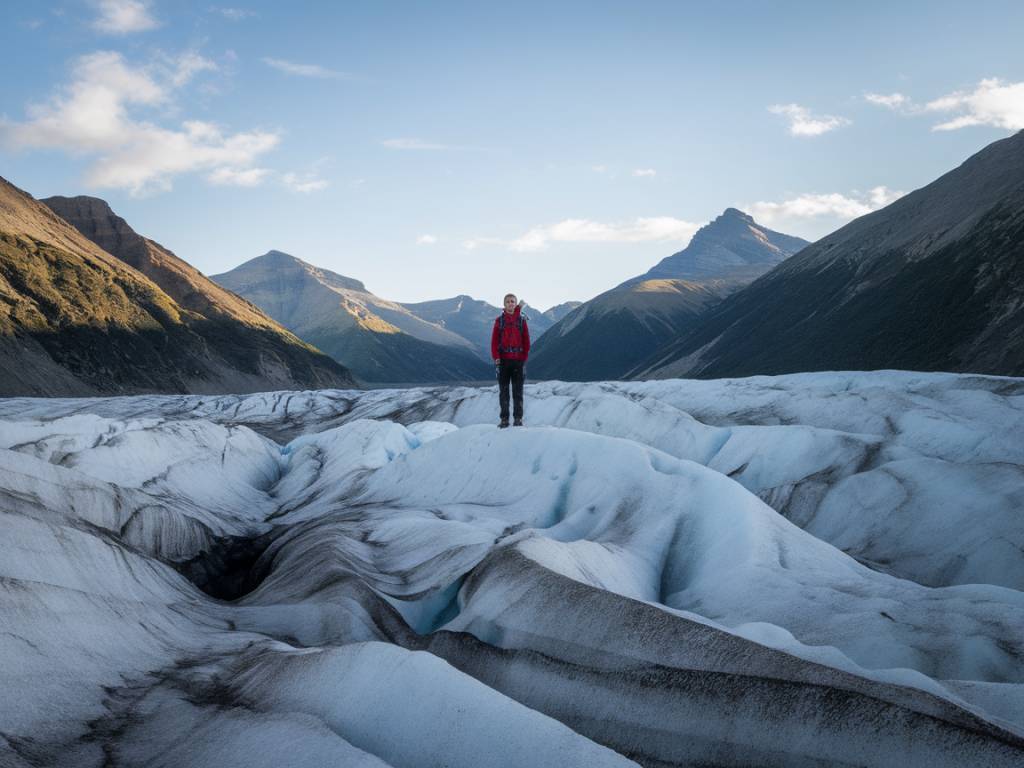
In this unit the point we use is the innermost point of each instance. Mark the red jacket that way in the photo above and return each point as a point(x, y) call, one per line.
point(510, 344)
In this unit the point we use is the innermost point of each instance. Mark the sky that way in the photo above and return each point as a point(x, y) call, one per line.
point(548, 149)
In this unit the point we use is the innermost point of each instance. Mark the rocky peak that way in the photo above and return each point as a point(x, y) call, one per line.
point(732, 245)
point(95, 219)
point(732, 224)
point(281, 263)
point(84, 206)
point(730, 214)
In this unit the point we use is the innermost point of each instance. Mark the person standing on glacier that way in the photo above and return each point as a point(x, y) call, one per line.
point(510, 347)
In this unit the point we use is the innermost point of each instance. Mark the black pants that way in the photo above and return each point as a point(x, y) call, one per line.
point(511, 371)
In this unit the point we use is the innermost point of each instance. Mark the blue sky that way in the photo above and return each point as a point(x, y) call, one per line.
point(551, 149)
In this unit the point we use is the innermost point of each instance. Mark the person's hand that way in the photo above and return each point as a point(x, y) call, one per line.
point(497, 361)
point(521, 302)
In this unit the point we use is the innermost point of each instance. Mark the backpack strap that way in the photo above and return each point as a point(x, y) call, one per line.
point(519, 322)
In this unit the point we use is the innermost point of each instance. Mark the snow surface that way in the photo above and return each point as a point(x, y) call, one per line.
point(813, 569)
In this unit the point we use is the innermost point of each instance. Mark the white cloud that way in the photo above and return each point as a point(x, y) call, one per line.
point(645, 172)
point(305, 70)
point(890, 100)
point(248, 177)
point(880, 197)
point(992, 102)
point(639, 230)
point(803, 123)
point(97, 114)
point(152, 156)
point(426, 240)
point(304, 182)
point(186, 66)
point(122, 17)
point(413, 144)
point(599, 168)
point(835, 205)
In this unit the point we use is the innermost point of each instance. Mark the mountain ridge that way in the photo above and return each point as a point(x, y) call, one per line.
point(607, 336)
point(730, 246)
point(933, 281)
point(380, 340)
point(77, 320)
point(473, 319)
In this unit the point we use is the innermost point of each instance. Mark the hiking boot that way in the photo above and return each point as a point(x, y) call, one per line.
point(516, 423)
point(503, 424)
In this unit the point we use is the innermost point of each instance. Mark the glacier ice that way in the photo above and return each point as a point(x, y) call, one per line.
point(813, 569)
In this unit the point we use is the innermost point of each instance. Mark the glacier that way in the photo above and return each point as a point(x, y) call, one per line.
point(805, 570)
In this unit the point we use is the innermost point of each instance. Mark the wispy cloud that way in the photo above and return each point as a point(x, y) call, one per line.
point(599, 168)
point(304, 183)
point(835, 205)
point(306, 70)
point(991, 102)
point(183, 68)
point(476, 242)
point(122, 17)
point(233, 14)
point(639, 230)
point(426, 240)
point(106, 111)
point(803, 123)
point(645, 172)
point(231, 177)
point(889, 100)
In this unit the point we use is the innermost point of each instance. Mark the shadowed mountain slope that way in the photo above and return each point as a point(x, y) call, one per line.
point(934, 281)
point(607, 336)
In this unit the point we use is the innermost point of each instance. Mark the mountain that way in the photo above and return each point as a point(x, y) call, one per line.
point(473, 319)
point(94, 218)
point(604, 337)
point(540, 322)
point(380, 340)
point(76, 320)
point(234, 327)
point(468, 317)
point(559, 311)
point(732, 248)
point(934, 281)
point(607, 336)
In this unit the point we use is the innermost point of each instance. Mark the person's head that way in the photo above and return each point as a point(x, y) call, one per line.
point(510, 302)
